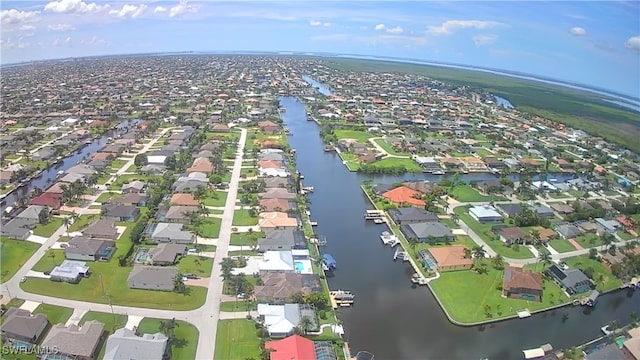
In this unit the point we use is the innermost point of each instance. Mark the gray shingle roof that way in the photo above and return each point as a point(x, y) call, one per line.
point(124, 344)
point(73, 340)
point(20, 322)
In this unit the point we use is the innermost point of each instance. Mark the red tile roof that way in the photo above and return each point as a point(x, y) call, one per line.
point(294, 347)
point(404, 195)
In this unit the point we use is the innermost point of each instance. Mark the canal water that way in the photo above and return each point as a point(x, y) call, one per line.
point(390, 318)
point(47, 177)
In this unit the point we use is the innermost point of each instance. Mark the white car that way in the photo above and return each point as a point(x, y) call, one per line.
point(23, 279)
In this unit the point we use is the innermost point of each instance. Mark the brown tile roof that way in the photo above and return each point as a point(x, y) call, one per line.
point(447, 256)
point(521, 279)
point(275, 204)
point(404, 195)
point(184, 200)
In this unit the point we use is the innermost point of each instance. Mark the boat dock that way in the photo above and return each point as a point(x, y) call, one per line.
point(401, 255)
point(341, 298)
point(389, 239)
point(524, 313)
point(374, 215)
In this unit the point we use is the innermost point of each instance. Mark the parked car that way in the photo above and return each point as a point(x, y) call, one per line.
point(23, 279)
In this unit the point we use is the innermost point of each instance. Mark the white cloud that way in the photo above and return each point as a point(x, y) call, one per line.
point(181, 8)
point(14, 17)
point(74, 7)
point(60, 42)
point(10, 44)
point(95, 41)
point(448, 27)
point(331, 37)
point(129, 11)
point(392, 39)
point(61, 27)
point(315, 23)
point(578, 31)
point(160, 9)
point(327, 24)
point(484, 39)
point(395, 30)
point(633, 43)
point(380, 27)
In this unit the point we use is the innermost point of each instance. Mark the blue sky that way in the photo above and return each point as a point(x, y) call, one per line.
point(594, 43)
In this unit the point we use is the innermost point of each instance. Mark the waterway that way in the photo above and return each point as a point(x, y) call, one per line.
point(391, 318)
point(503, 102)
point(47, 177)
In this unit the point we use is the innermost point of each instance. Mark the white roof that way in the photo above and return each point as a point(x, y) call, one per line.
point(275, 319)
point(156, 159)
point(533, 353)
point(273, 172)
point(300, 252)
point(277, 261)
point(484, 211)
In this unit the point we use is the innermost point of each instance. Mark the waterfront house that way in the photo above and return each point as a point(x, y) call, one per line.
point(152, 278)
point(421, 186)
point(485, 214)
point(269, 127)
point(446, 258)
point(296, 347)
point(70, 271)
point(512, 235)
point(283, 205)
point(409, 215)
point(270, 172)
point(279, 320)
point(631, 346)
point(431, 232)
point(33, 214)
point(403, 196)
point(101, 229)
point(277, 287)
point(277, 221)
point(277, 261)
point(277, 182)
point(573, 281)
point(115, 212)
point(135, 186)
point(522, 284)
point(20, 325)
point(73, 342)
point(125, 344)
point(610, 226)
point(171, 233)
point(514, 209)
point(166, 254)
point(277, 193)
point(275, 240)
point(87, 249)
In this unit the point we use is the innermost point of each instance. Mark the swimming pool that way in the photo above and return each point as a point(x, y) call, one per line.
point(21, 345)
point(299, 266)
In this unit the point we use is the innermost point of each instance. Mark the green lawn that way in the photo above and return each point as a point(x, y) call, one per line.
point(51, 259)
point(351, 161)
point(389, 148)
point(132, 168)
point(214, 198)
point(111, 323)
point(104, 197)
point(246, 239)
point(55, 314)
point(248, 172)
point(361, 136)
point(117, 164)
point(466, 293)
point(408, 164)
point(624, 235)
point(14, 253)
point(242, 218)
point(46, 230)
point(237, 339)
point(589, 240)
point(237, 306)
point(466, 193)
point(82, 221)
point(210, 227)
point(602, 277)
point(197, 265)
point(186, 336)
point(561, 245)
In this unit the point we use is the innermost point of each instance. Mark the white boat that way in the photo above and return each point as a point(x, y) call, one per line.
point(388, 238)
point(378, 221)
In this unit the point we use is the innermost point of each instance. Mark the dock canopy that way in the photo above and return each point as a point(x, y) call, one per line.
point(329, 261)
point(533, 353)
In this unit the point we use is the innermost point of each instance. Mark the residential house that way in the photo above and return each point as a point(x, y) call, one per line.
point(269, 127)
point(282, 205)
point(631, 346)
point(573, 281)
point(277, 193)
point(610, 226)
point(485, 214)
point(73, 342)
point(132, 199)
point(296, 347)
point(88, 249)
point(409, 215)
point(279, 320)
point(562, 209)
point(403, 195)
point(275, 240)
point(201, 165)
point(152, 278)
point(101, 229)
point(70, 271)
point(19, 229)
point(171, 233)
point(125, 344)
point(277, 287)
point(493, 163)
point(421, 186)
point(277, 261)
point(567, 231)
point(44, 154)
point(431, 232)
point(135, 186)
point(522, 284)
point(21, 326)
point(512, 235)
point(270, 172)
point(178, 214)
point(183, 200)
point(446, 258)
point(120, 212)
point(277, 221)
point(33, 214)
point(190, 183)
point(166, 254)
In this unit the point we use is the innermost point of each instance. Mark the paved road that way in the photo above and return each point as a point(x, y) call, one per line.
point(204, 318)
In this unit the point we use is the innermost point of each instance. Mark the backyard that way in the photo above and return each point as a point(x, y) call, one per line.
point(237, 339)
point(185, 333)
point(466, 193)
point(471, 297)
point(46, 230)
point(13, 254)
point(82, 221)
point(603, 278)
point(244, 218)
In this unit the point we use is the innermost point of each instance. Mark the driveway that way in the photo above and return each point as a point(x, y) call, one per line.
point(251, 268)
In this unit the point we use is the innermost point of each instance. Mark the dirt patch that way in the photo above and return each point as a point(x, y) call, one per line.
point(202, 282)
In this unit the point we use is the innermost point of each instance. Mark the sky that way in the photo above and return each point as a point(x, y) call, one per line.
point(596, 43)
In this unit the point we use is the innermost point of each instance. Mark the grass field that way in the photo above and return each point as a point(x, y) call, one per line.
point(561, 245)
point(388, 148)
point(46, 230)
point(186, 337)
point(55, 314)
point(569, 106)
point(210, 227)
point(104, 197)
point(589, 240)
point(245, 239)
point(242, 218)
point(14, 253)
point(466, 193)
point(237, 306)
point(602, 277)
point(82, 221)
point(408, 164)
point(198, 265)
point(466, 293)
point(361, 136)
point(51, 258)
point(237, 339)
point(215, 198)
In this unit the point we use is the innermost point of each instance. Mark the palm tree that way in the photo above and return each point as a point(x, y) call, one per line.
point(544, 258)
point(178, 284)
point(305, 324)
point(455, 218)
point(535, 236)
point(467, 253)
point(607, 240)
point(498, 262)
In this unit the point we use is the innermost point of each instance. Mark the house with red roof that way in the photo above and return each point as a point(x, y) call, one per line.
point(403, 195)
point(294, 347)
point(50, 199)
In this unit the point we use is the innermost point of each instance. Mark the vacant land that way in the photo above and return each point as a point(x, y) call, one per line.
point(215, 198)
point(197, 265)
point(13, 253)
point(466, 193)
point(246, 239)
point(391, 162)
point(237, 339)
point(46, 230)
point(361, 136)
point(55, 314)
point(561, 245)
point(244, 218)
point(185, 333)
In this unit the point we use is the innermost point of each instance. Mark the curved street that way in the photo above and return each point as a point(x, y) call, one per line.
point(205, 318)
